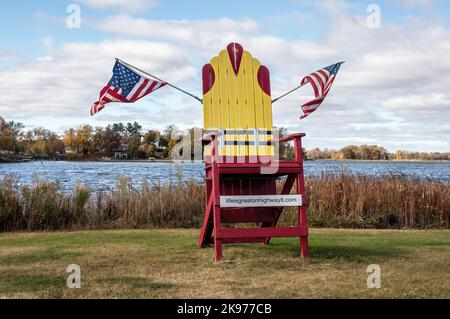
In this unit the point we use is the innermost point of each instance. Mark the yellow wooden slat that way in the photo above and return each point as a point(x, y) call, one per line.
point(207, 116)
point(207, 111)
point(259, 110)
point(224, 103)
point(215, 125)
point(270, 149)
point(215, 105)
point(267, 110)
point(247, 62)
point(232, 104)
point(242, 111)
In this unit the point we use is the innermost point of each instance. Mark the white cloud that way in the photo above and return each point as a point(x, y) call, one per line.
point(7, 55)
point(67, 80)
point(202, 33)
point(123, 5)
point(410, 3)
point(392, 90)
point(417, 101)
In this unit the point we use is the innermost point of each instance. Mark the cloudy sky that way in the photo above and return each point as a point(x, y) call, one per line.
point(394, 89)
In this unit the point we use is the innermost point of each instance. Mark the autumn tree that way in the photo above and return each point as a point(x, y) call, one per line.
point(112, 138)
point(84, 139)
point(314, 154)
point(70, 139)
point(149, 142)
point(349, 152)
point(133, 131)
point(168, 139)
point(15, 130)
point(42, 142)
point(4, 135)
point(151, 137)
point(97, 139)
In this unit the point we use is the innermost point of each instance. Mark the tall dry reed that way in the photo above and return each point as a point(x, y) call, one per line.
point(342, 200)
point(393, 201)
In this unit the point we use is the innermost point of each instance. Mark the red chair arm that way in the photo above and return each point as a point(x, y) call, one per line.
point(290, 137)
point(208, 136)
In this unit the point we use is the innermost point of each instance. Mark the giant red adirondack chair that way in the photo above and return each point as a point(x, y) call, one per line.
point(240, 158)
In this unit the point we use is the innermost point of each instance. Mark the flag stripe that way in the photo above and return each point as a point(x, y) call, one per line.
point(135, 88)
point(323, 76)
point(144, 90)
point(138, 91)
point(116, 96)
point(321, 84)
point(314, 85)
point(151, 88)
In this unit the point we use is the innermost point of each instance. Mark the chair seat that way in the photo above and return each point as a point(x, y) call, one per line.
point(273, 167)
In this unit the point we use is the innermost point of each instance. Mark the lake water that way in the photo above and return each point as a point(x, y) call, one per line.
point(103, 175)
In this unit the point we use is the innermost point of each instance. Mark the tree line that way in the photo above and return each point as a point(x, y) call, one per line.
point(373, 152)
point(87, 142)
point(14, 140)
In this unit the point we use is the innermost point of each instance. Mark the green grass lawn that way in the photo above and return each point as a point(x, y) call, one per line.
point(168, 264)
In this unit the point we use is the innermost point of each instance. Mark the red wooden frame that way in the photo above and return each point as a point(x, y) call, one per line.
point(243, 177)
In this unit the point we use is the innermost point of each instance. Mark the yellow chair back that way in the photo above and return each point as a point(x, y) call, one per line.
point(237, 102)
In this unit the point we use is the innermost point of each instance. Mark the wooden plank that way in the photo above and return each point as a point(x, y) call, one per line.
point(268, 122)
point(250, 98)
point(261, 232)
point(302, 217)
point(223, 100)
point(215, 193)
point(215, 105)
point(206, 222)
point(207, 110)
point(243, 240)
point(207, 105)
point(233, 105)
point(235, 216)
point(253, 163)
point(242, 110)
point(208, 82)
point(259, 115)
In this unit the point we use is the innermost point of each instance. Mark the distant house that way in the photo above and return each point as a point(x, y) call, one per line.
point(121, 152)
point(68, 150)
point(159, 152)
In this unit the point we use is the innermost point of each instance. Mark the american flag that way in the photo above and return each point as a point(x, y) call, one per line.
point(125, 86)
point(321, 82)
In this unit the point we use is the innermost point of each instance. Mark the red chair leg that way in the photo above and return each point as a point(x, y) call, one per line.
point(302, 216)
point(205, 231)
point(217, 242)
point(217, 250)
point(304, 250)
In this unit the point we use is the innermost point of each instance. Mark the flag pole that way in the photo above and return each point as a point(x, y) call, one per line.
point(156, 78)
point(289, 92)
